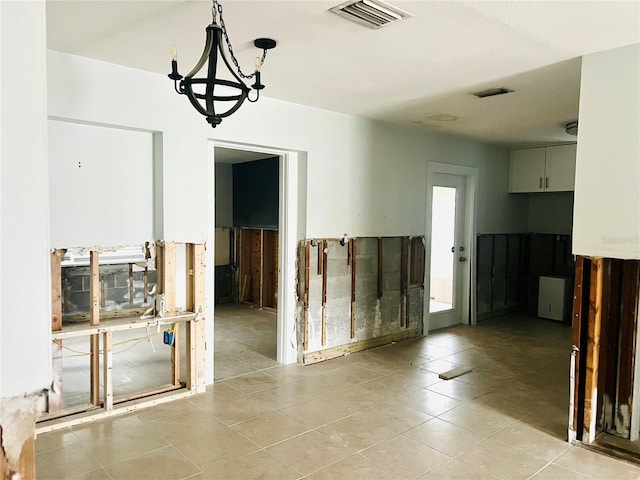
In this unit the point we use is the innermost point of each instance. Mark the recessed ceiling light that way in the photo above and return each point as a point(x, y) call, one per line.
point(442, 117)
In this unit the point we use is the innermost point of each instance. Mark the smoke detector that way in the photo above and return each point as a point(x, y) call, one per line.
point(571, 128)
point(370, 13)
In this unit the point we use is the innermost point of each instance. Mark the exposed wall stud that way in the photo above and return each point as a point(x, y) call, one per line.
point(145, 284)
point(353, 256)
point(107, 346)
point(169, 292)
point(576, 381)
point(196, 358)
point(380, 268)
point(94, 315)
point(593, 351)
point(320, 243)
point(324, 250)
point(131, 289)
point(57, 256)
point(404, 277)
point(305, 344)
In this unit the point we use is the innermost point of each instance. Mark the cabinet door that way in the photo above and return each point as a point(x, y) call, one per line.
point(560, 174)
point(526, 170)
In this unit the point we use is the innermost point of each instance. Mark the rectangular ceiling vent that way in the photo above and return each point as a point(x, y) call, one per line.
point(370, 13)
point(492, 92)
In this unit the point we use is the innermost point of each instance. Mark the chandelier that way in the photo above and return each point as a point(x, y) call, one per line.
point(212, 96)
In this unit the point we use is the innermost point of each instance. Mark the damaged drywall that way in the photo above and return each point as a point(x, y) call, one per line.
point(351, 292)
point(17, 425)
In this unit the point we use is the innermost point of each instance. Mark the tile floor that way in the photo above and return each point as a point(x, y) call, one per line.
point(379, 414)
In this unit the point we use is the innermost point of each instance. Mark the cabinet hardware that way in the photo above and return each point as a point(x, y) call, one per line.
point(546, 183)
point(541, 182)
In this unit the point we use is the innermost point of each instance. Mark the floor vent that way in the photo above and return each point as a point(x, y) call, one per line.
point(370, 13)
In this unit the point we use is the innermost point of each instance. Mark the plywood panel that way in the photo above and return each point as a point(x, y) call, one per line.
point(270, 269)
point(256, 267)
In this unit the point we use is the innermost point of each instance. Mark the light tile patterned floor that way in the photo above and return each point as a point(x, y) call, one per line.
point(380, 414)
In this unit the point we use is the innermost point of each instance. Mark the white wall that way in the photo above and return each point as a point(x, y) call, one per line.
point(100, 177)
point(224, 195)
point(607, 197)
point(361, 177)
point(25, 286)
point(551, 212)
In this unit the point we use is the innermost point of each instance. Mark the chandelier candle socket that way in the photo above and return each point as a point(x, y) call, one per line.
point(206, 93)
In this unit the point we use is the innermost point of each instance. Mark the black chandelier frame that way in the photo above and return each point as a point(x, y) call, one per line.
point(207, 103)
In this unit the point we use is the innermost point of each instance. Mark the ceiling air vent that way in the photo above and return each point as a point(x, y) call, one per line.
point(492, 92)
point(370, 13)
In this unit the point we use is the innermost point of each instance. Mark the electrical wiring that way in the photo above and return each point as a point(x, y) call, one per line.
point(123, 342)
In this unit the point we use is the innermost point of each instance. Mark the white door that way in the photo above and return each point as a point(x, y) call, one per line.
point(448, 252)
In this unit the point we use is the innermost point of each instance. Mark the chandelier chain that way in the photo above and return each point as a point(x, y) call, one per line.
point(228, 42)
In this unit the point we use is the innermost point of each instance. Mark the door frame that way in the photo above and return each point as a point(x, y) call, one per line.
point(468, 300)
point(289, 170)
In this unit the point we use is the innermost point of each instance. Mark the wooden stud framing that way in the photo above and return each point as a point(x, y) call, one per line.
point(131, 290)
point(380, 269)
point(256, 264)
point(58, 417)
point(145, 283)
point(593, 351)
point(55, 397)
point(168, 256)
point(404, 277)
point(319, 243)
point(56, 289)
point(324, 250)
point(627, 301)
point(305, 344)
point(159, 262)
point(329, 353)
point(94, 320)
point(169, 277)
point(25, 465)
point(196, 358)
point(576, 396)
point(94, 288)
point(352, 254)
point(107, 365)
point(609, 341)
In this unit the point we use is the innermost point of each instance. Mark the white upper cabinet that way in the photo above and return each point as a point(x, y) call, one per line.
point(560, 169)
point(526, 171)
point(543, 169)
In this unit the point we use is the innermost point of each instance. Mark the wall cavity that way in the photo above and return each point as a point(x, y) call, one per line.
point(356, 294)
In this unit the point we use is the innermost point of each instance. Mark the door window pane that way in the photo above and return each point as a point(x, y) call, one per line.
point(443, 220)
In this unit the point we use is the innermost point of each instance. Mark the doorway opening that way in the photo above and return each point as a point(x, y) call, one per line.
point(246, 254)
point(255, 221)
point(449, 242)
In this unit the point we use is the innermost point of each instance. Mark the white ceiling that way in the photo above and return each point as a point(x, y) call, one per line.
point(403, 73)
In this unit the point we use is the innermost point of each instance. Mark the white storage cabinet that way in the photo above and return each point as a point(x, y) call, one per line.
point(542, 169)
point(555, 295)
